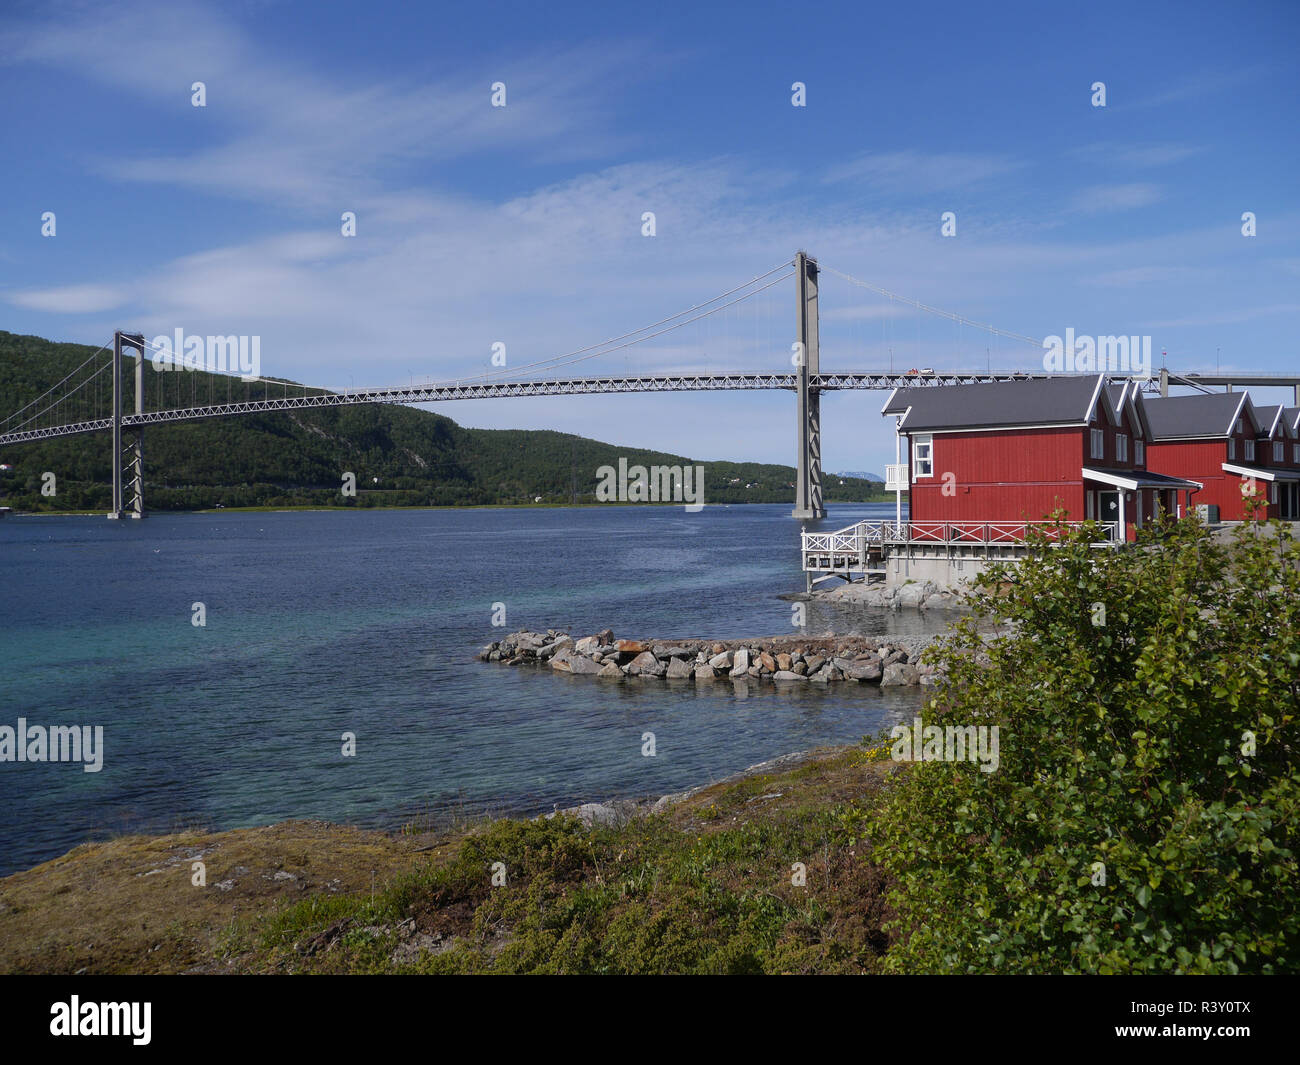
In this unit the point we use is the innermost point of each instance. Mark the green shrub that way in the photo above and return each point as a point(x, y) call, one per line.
point(1143, 814)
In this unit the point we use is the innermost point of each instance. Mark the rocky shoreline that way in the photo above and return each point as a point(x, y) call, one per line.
point(885, 661)
point(618, 812)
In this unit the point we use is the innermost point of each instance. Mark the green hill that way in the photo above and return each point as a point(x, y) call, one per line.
point(402, 456)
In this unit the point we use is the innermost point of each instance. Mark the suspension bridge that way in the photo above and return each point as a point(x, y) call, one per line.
point(96, 396)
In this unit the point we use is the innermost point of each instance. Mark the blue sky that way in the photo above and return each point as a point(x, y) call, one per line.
point(522, 224)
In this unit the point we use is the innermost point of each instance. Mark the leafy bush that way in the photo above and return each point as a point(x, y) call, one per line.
point(1143, 815)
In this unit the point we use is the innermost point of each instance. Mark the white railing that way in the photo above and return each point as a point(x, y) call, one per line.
point(849, 546)
point(896, 478)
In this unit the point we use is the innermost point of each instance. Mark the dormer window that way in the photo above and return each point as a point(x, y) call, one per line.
point(1250, 451)
point(1139, 453)
point(1232, 450)
point(1099, 443)
point(1121, 447)
point(1279, 451)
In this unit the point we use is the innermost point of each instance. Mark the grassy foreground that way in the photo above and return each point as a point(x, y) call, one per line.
point(704, 887)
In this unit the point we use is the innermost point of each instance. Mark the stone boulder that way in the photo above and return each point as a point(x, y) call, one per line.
point(560, 643)
point(646, 665)
point(679, 669)
point(898, 673)
point(864, 671)
point(912, 594)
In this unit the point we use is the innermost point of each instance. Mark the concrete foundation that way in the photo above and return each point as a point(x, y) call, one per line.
point(947, 565)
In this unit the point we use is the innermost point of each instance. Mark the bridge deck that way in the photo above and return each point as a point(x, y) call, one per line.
point(447, 392)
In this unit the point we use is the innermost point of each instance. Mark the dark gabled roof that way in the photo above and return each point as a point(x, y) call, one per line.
point(1037, 401)
point(1266, 418)
point(1292, 417)
point(1181, 417)
point(1129, 395)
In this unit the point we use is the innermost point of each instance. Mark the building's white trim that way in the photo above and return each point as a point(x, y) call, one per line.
point(915, 463)
point(1272, 428)
point(1135, 482)
point(1261, 474)
point(1096, 393)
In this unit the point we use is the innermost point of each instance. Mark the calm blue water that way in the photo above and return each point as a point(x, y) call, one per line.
point(367, 621)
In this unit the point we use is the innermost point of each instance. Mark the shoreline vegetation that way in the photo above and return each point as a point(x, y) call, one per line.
point(1139, 816)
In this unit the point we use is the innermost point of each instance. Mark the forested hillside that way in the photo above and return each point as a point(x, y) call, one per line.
point(401, 456)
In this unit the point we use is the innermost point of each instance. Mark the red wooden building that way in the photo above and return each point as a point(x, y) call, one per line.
point(1018, 450)
point(1277, 452)
point(1235, 449)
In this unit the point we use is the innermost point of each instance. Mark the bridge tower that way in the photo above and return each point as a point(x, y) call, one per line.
point(128, 446)
point(808, 468)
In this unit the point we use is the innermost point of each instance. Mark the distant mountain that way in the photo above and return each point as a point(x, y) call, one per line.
point(862, 475)
point(401, 456)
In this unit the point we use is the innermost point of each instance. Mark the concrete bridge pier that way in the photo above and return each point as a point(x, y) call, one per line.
point(128, 443)
point(808, 466)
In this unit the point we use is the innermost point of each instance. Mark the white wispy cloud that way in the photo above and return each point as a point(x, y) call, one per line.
point(72, 299)
point(1140, 156)
point(1150, 275)
point(1231, 316)
point(279, 131)
point(920, 172)
point(1102, 198)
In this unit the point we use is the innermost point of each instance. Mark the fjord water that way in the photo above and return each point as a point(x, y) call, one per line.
point(321, 623)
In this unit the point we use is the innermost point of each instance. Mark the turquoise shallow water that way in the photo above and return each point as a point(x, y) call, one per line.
point(367, 621)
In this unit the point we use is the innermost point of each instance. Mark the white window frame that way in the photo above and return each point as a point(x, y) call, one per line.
point(922, 440)
point(1248, 453)
point(1279, 451)
point(1295, 452)
point(1098, 447)
point(1139, 453)
point(1232, 450)
point(1121, 447)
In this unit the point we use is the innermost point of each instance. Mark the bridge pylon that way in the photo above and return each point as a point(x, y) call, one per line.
point(808, 466)
point(128, 442)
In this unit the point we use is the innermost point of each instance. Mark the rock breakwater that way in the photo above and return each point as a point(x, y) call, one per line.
point(885, 661)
